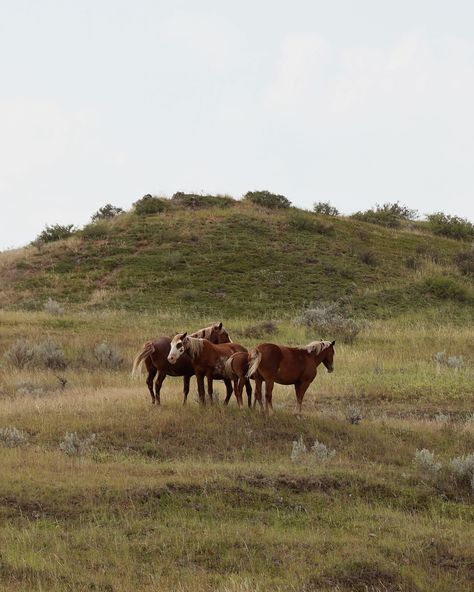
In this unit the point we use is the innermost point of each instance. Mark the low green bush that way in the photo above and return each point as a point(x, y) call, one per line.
point(106, 212)
point(450, 226)
point(267, 199)
point(55, 232)
point(325, 208)
point(195, 201)
point(390, 215)
point(149, 205)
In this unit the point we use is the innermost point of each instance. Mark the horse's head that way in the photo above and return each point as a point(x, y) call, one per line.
point(328, 357)
point(178, 346)
point(218, 334)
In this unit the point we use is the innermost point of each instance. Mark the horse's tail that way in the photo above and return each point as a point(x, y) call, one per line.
point(228, 370)
point(255, 357)
point(147, 349)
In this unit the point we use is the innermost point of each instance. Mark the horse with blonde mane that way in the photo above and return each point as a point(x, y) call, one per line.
point(208, 361)
point(272, 363)
point(155, 356)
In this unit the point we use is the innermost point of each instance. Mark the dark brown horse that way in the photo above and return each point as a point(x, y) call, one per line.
point(288, 365)
point(155, 356)
point(208, 361)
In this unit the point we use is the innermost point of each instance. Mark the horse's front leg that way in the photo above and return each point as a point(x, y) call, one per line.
point(200, 385)
point(238, 392)
point(186, 381)
point(210, 390)
point(248, 388)
point(300, 390)
point(268, 396)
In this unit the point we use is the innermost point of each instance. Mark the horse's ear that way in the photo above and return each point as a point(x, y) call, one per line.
point(333, 343)
point(184, 335)
point(220, 325)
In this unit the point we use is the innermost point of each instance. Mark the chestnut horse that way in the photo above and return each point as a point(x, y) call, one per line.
point(155, 354)
point(288, 365)
point(208, 360)
point(236, 368)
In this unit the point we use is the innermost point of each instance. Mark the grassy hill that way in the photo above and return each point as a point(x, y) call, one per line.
point(239, 259)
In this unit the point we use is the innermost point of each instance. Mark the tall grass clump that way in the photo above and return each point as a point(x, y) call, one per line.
point(12, 437)
point(328, 320)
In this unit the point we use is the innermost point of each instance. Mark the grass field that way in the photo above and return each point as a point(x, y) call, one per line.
point(177, 498)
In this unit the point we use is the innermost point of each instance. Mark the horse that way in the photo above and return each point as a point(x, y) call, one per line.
point(208, 360)
point(288, 365)
point(155, 354)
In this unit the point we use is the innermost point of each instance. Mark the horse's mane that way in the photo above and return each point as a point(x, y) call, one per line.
point(203, 333)
point(316, 347)
point(194, 345)
point(206, 332)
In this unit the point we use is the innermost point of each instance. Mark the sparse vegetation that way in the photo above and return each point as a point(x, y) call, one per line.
point(76, 445)
point(53, 307)
point(465, 262)
point(46, 354)
point(425, 459)
point(354, 414)
point(11, 437)
point(107, 357)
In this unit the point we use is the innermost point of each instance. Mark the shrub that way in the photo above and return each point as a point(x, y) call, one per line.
point(107, 357)
point(260, 330)
point(354, 415)
point(96, 231)
point(106, 212)
point(425, 459)
point(20, 354)
point(53, 307)
point(29, 389)
point(465, 262)
point(320, 452)
point(445, 288)
point(368, 257)
point(325, 208)
point(298, 450)
point(195, 201)
point(267, 199)
point(450, 226)
point(47, 354)
point(304, 222)
point(148, 205)
point(75, 445)
point(389, 214)
point(55, 232)
point(455, 362)
point(12, 437)
point(463, 468)
point(326, 318)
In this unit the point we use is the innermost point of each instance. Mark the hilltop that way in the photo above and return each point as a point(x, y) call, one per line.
point(235, 257)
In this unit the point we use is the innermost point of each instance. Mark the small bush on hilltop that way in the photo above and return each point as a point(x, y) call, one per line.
point(195, 201)
point(450, 226)
point(267, 199)
point(55, 232)
point(325, 208)
point(328, 320)
point(149, 205)
point(390, 215)
point(106, 212)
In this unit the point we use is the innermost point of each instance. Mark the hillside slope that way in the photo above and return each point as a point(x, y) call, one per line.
point(239, 259)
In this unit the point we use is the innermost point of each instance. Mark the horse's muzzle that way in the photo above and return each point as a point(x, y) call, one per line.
point(171, 359)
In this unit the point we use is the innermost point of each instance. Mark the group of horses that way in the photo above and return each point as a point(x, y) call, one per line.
point(210, 354)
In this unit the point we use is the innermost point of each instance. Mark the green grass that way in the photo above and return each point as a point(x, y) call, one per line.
point(241, 260)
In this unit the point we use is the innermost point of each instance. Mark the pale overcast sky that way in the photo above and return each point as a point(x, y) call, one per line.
point(355, 102)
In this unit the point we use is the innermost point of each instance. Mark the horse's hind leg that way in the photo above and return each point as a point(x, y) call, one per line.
point(210, 389)
point(268, 396)
point(186, 381)
point(158, 383)
point(229, 390)
point(258, 391)
point(149, 380)
point(248, 389)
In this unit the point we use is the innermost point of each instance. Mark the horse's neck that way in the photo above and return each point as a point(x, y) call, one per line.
point(194, 346)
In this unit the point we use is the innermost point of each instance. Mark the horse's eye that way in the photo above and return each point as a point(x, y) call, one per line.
point(179, 344)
